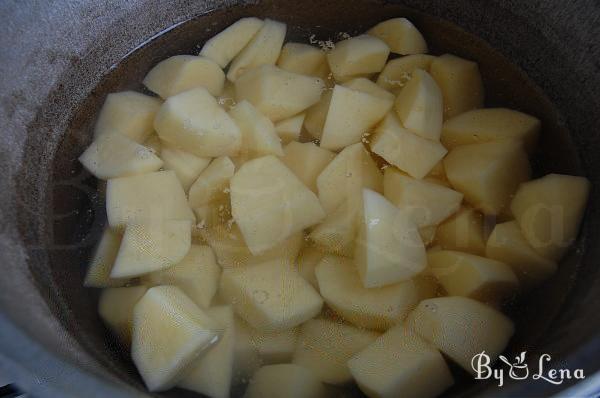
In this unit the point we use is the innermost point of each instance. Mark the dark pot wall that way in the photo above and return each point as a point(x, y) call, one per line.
point(57, 63)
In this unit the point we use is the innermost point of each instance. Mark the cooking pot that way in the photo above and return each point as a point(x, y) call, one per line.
point(58, 60)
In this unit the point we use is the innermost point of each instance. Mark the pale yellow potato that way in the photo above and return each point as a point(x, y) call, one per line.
point(152, 247)
point(269, 203)
point(211, 184)
point(246, 357)
point(400, 364)
point(491, 124)
point(153, 143)
point(400, 35)
point(345, 177)
point(549, 211)
point(308, 259)
point(115, 307)
point(263, 49)
point(488, 174)
point(258, 132)
point(285, 381)
point(507, 244)
point(186, 166)
point(211, 374)
point(169, 333)
point(351, 114)
point(461, 328)
point(274, 347)
point(302, 58)
point(228, 43)
point(357, 56)
point(128, 113)
point(146, 197)
point(105, 253)
point(277, 93)
point(336, 234)
point(317, 114)
point(409, 152)
point(114, 155)
point(462, 232)
point(181, 73)
point(420, 106)
point(367, 86)
point(306, 161)
point(480, 278)
point(290, 129)
point(271, 296)
point(397, 72)
point(460, 82)
point(197, 275)
point(374, 308)
point(193, 120)
point(425, 202)
point(324, 346)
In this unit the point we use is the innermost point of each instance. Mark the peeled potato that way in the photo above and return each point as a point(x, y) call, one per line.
point(258, 132)
point(357, 56)
point(98, 273)
point(274, 347)
point(462, 232)
point(212, 182)
point(186, 166)
point(224, 46)
point(307, 161)
point(289, 129)
point(308, 259)
point(400, 35)
point(367, 86)
point(115, 307)
point(397, 72)
point(461, 327)
point(337, 232)
point(317, 114)
point(301, 58)
point(285, 381)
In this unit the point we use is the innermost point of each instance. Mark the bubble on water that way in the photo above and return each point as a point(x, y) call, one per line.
point(431, 307)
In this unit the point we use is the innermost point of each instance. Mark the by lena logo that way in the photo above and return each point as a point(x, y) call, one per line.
point(519, 370)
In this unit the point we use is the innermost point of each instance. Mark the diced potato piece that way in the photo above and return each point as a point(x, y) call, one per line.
point(356, 56)
point(407, 151)
point(492, 124)
point(169, 333)
point(277, 93)
point(153, 196)
point(307, 161)
point(271, 296)
point(246, 357)
point(274, 347)
point(308, 259)
point(263, 49)
point(197, 275)
point(462, 232)
point(224, 46)
point(400, 35)
point(507, 244)
point(461, 327)
point(374, 308)
point(389, 248)
point(269, 203)
point(460, 82)
point(345, 177)
point(400, 364)
point(549, 211)
point(351, 113)
point(290, 129)
point(128, 113)
point(428, 234)
point(153, 143)
point(181, 73)
point(285, 381)
point(324, 346)
point(258, 132)
point(301, 58)
point(488, 174)
point(151, 247)
point(98, 273)
point(397, 72)
point(426, 203)
point(212, 182)
point(186, 166)
point(114, 155)
point(463, 274)
point(212, 373)
point(420, 107)
point(317, 114)
point(337, 232)
point(115, 307)
point(367, 86)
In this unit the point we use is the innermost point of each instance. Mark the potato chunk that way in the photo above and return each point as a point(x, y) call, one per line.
point(460, 82)
point(461, 327)
point(324, 346)
point(488, 174)
point(258, 132)
point(491, 124)
point(181, 73)
point(274, 347)
point(271, 296)
point(420, 107)
point(549, 211)
point(407, 151)
point(285, 381)
point(212, 182)
point(269, 203)
point(290, 129)
point(105, 253)
point(277, 93)
point(462, 232)
point(307, 161)
point(374, 308)
point(397, 72)
point(400, 35)
point(400, 363)
point(301, 58)
point(169, 333)
point(128, 113)
point(357, 56)
point(224, 46)
point(337, 233)
point(115, 307)
point(186, 166)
